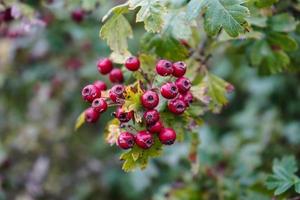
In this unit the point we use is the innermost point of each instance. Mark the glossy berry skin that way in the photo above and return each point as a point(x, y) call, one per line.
point(100, 85)
point(132, 63)
point(183, 84)
point(169, 90)
point(116, 76)
point(99, 105)
point(164, 68)
point(126, 140)
point(144, 139)
point(123, 116)
point(151, 116)
point(187, 98)
point(150, 99)
point(155, 128)
point(104, 65)
point(90, 92)
point(167, 136)
point(77, 15)
point(116, 93)
point(91, 116)
point(176, 106)
point(179, 69)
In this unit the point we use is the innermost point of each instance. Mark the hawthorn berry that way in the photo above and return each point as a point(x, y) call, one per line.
point(99, 105)
point(187, 98)
point(151, 116)
point(104, 65)
point(132, 63)
point(116, 76)
point(150, 99)
point(116, 93)
point(77, 15)
point(169, 90)
point(123, 116)
point(90, 92)
point(144, 139)
point(179, 69)
point(229, 88)
point(176, 106)
point(126, 140)
point(164, 68)
point(183, 84)
point(155, 128)
point(100, 85)
point(167, 136)
point(91, 116)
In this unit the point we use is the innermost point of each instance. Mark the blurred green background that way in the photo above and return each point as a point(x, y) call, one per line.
point(46, 60)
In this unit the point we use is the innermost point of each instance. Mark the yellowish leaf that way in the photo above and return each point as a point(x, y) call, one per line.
point(112, 131)
point(80, 121)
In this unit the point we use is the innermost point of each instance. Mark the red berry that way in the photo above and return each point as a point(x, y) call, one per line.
point(116, 76)
point(151, 116)
point(144, 139)
point(183, 84)
point(6, 16)
point(187, 98)
point(167, 136)
point(150, 99)
point(123, 116)
point(91, 116)
point(77, 15)
point(132, 63)
point(169, 90)
point(155, 128)
point(100, 85)
point(126, 140)
point(90, 92)
point(179, 69)
point(164, 68)
point(104, 66)
point(99, 105)
point(116, 93)
point(229, 88)
point(176, 106)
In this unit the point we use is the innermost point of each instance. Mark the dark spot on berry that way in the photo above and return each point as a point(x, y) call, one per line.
point(149, 142)
point(169, 142)
point(150, 98)
point(173, 88)
point(168, 65)
point(130, 142)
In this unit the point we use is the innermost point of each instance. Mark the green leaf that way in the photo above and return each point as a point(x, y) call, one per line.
point(151, 13)
point(117, 10)
point(138, 158)
point(283, 23)
point(264, 3)
point(227, 14)
point(284, 41)
point(177, 25)
point(79, 121)
point(297, 187)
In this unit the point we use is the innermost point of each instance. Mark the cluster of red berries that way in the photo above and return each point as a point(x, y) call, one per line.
point(177, 93)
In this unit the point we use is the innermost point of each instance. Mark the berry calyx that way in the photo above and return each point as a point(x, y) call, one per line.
point(116, 76)
point(116, 93)
point(187, 98)
point(151, 116)
point(99, 105)
point(77, 15)
point(164, 68)
point(100, 85)
point(169, 90)
point(91, 116)
point(90, 92)
point(167, 136)
point(176, 106)
point(132, 63)
point(150, 99)
point(155, 128)
point(144, 139)
point(126, 140)
point(104, 65)
point(179, 69)
point(183, 84)
point(123, 116)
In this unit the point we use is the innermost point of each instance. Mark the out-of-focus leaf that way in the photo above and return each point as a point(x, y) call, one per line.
point(283, 23)
point(112, 131)
point(79, 121)
point(264, 3)
point(177, 25)
point(284, 41)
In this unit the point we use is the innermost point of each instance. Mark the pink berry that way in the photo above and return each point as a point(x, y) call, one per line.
point(176, 106)
point(104, 66)
point(100, 85)
point(90, 92)
point(179, 69)
point(123, 116)
point(116, 93)
point(151, 116)
point(116, 76)
point(91, 116)
point(164, 68)
point(155, 128)
point(150, 99)
point(126, 140)
point(169, 90)
point(183, 84)
point(144, 139)
point(99, 105)
point(132, 63)
point(167, 136)
point(77, 15)
point(187, 98)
